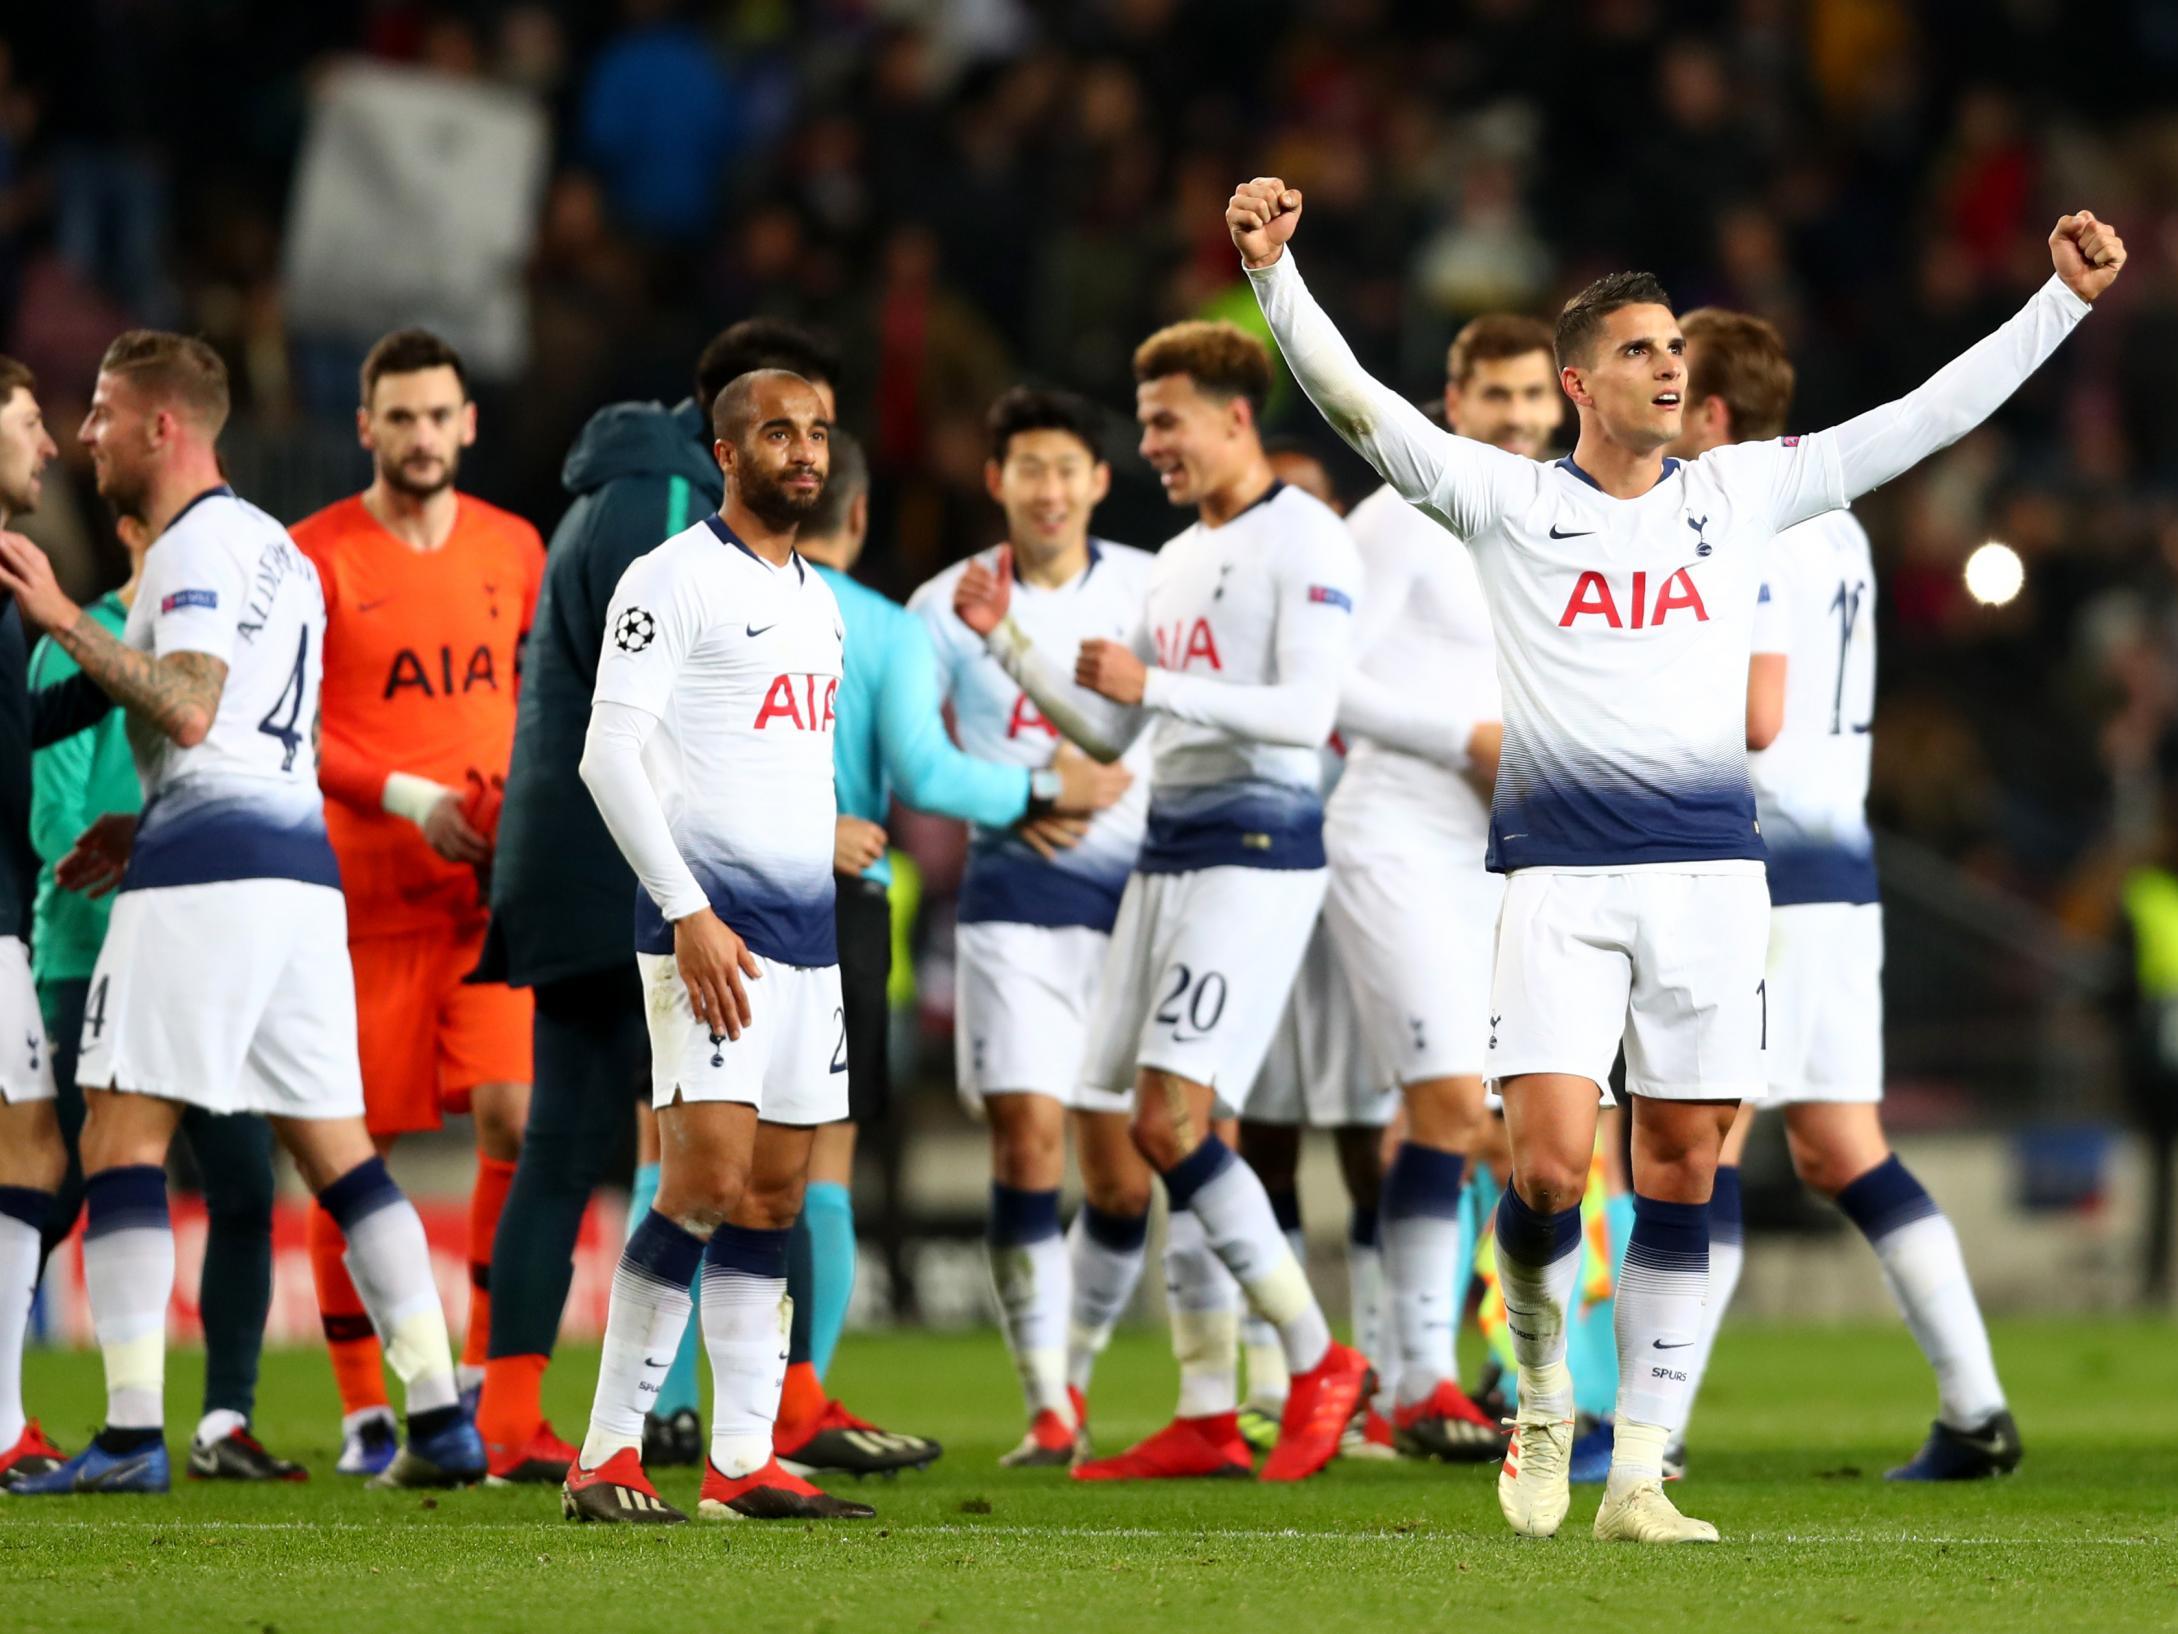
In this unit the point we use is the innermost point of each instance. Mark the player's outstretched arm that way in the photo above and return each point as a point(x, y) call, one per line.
point(1872, 448)
point(1427, 727)
point(1423, 463)
point(982, 599)
point(928, 769)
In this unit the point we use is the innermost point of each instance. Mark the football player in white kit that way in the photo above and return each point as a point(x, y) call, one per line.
point(1237, 661)
point(1411, 906)
point(224, 980)
point(709, 753)
point(1622, 587)
point(1034, 920)
point(1810, 706)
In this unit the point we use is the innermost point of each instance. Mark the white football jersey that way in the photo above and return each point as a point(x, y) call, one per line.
point(225, 579)
point(1817, 607)
point(1426, 632)
point(1221, 603)
point(740, 662)
point(1006, 881)
point(1623, 625)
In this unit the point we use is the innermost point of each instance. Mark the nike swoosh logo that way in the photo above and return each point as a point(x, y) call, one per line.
point(754, 631)
point(1681, 1345)
point(369, 606)
point(1988, 1444)
point(122, 1472)
point(1582, 533)
point(657, 1361)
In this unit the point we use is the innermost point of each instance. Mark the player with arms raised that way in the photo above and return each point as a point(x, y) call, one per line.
point(1237, 660)
point(709, 754)
point(224, 980)
point(1810, 707)
point(1622, 586)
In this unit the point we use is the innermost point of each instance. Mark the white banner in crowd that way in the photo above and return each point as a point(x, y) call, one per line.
point(416, 202)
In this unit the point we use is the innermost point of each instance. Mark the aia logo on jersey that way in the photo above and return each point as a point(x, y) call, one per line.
point(1593, 596)
point(1183, 645)
point(413, 669)
point(803, 702)
point(1027, 717)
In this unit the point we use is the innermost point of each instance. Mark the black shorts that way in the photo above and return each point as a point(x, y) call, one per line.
point(865, 972)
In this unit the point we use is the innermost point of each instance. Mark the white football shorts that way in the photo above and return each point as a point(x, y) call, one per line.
point(233, 996)
point(1197, 975)
point(1670, 963)
point(1414, 930)
point(1022, 1000)
point(1826, 1002)
point(790, 1061)
point(26, 1063)
point(1320, 1073)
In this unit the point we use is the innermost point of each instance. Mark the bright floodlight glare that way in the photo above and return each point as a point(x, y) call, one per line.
point(1994, 574)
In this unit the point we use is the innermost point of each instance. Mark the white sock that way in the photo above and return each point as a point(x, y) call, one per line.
point(1241, 1229)
point(1369, 1300)
point(746, 1315)
point(1262, 1351)
point(1660, 1295)
point(22, 1213)
point(1031, 1277)
point(1421, 1214)
point(215, 1426)
point(644, 1322)
point(128, 1271)
point(390, 1262)
point(1927, 1276)
point(1105, 1254)
point(1204, 1307)
point(1727, 1252)
point(1538, 1262)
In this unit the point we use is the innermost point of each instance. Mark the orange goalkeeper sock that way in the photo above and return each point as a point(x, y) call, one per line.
point(486, 1200)
point(512, 1406)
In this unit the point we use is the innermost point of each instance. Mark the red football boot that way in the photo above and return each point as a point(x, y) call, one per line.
point(32, 1454)
point(617, 1492)
point(539, 1461)
point(1318, 1405)
point(1447, 1425)
point(771, 1494)
point(1185, 1449)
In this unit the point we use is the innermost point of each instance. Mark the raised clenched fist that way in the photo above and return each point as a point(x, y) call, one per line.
point(1261, 217)
point(2087, 253)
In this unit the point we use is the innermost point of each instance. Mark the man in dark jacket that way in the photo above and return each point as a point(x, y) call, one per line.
point(561, 894)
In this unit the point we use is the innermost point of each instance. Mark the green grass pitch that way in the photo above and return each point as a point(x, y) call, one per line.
point(1796, 1429)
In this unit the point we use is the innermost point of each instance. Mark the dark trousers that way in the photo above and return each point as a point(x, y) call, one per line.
point(592, 1066)
point(234, 1159)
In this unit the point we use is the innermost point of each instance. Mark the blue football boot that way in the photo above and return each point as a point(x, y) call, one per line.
point(143, 1469)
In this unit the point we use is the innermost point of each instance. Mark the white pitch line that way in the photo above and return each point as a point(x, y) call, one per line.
point(1120, 1534)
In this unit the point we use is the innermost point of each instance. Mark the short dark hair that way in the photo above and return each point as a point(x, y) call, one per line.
point(15, 376)
point(1223, 360)
point(1492, 338)
point(178, 370)
point(763, 343)
point(410, 351)
point(1029, 408)
point(1584, 314)
point(1740, 358)
point(733, 409)
point(847, 481)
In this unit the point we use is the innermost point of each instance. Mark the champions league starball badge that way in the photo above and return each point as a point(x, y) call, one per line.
point(634, 630)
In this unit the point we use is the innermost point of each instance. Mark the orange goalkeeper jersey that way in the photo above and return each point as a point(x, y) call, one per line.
point(422, 661)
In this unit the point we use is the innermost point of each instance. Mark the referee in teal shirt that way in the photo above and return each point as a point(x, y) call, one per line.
point(889, 740)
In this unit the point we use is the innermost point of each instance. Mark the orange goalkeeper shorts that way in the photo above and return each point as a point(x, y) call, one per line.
point(426, 1036)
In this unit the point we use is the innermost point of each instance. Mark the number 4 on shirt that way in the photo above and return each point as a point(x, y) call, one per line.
point(291, 700)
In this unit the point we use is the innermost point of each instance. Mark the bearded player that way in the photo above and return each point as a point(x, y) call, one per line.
point(428, 598)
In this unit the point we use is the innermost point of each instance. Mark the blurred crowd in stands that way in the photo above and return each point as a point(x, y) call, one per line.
point(968, 192)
